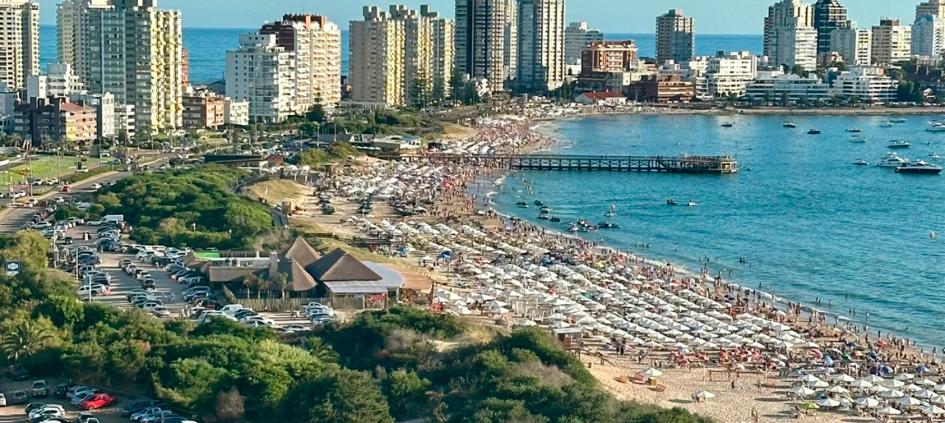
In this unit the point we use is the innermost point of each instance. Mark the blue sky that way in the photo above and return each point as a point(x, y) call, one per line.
point(712, 16)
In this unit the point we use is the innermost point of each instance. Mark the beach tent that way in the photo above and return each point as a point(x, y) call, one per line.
point(802, 391)
point(703, 395)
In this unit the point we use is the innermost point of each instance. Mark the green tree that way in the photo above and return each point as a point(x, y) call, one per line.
point(407, 394)
point(321, 350)
point(280, 283)
point(337, 396)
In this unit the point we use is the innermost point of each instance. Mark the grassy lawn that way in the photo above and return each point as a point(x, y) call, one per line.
point(45, 167)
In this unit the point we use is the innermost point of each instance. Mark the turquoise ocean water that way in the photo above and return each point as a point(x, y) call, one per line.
point(811, 224)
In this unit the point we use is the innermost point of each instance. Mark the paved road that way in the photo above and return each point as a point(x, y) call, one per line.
point(14, 219)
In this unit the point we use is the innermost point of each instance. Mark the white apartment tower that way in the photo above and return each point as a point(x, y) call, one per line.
point(730, 74)
point(540, 45)
point(482, 45)
point(854, 45)
point(19, 43)
point(577, 36)
point(928, 36)
point(316, 43)
point(790, 38)
point(263, 74)
point(131, 49)
point(510, 55)
point(892, 42)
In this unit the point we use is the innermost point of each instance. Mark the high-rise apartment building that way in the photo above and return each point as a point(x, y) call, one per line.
point(931, 7)
point(577, 36)
point(789, 35)
point(928, 36)
point(263, 74)
point(377, 58)
point(828, 16)
point(131, 49)
point(19, 41)
point(403, 57)
point(316, 43)
point(482, 50)
point(59, 81)
point(675, 37)
point(730, 74)
point(540, 45)
point(854, 45)
point(892, 42)
point(510, 54)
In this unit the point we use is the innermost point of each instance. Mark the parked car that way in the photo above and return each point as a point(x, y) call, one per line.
point(101, 400)
point(3, 400)
point(17, 373)
point(19, 397)
point(82, 396)
point(39, 389)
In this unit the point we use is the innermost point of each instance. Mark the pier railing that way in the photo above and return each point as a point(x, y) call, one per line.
point(719, 165)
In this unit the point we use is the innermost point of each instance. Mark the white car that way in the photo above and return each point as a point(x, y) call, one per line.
point(82, 396)
point(258, 319)
point(161, 311)
point(96, 186)
point(231, 309)
point(46, 412)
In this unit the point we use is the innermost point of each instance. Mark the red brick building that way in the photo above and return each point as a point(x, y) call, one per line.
point(663, 89)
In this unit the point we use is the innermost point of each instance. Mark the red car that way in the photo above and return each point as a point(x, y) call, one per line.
point(98, 401)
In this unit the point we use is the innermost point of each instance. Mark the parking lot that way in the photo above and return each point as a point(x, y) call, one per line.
point(170, 292)
point(17, 414)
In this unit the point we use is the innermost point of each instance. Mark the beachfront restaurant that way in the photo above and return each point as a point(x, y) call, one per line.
point(349, 283)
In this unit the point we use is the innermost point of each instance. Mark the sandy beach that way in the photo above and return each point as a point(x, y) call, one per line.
point(452, 235)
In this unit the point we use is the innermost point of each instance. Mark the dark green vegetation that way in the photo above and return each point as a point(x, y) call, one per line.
point(379, 122)
point(338, 152)
point(188, 207)
point(381, 367)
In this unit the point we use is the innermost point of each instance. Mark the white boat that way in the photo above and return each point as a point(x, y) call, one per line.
point(919, 167)
point(897, 120)
point(892, 160)
point(935, 156)
point(692, 204)
point(861, 163)
point(886, 124)
point(853, 130)
point(789, 125)
point(857, 139)
point(899, 144)
point(939, 127)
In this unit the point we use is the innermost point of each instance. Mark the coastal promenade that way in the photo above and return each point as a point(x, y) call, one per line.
point(717, 165)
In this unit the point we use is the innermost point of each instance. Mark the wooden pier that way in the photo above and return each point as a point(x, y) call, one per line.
point(711, 165)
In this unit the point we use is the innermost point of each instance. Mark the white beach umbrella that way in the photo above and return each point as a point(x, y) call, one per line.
point(925, 394)
point(837, 390)
point(652, 373)
point(868, 402)
point(802, 392)
point(925, 382)
point(938, 399)
point(932, 410)
point(874, 379)
point(909, 402)
point(844, 378)
point(940, 388)
point(704, 395)
point(861, 384)
point(819, 385)
point(828, 403)
point(893, 383)
point(912, 388)
point(905, 376)
point(889, 411)
point(893, 394)
point(808, 379)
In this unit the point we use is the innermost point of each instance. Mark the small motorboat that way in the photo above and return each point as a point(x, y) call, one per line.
point(897, 120)
point(608, 225)
point(886, 124)
point(813, 132)
point(671, 203)
point(935, 156)
point(892, 160)
point(938, 127)
point(543, 216)
point(555, 220)
point(727, 124)
point(861, 163)
point(857, 139)
point(790, 125)
point(919, 167)
point(692, 204)
point(854, 130)
point(899, 144)
point(538, 203)
point(522, 205)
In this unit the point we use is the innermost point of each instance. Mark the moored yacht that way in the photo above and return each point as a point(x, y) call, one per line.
point(790, 125)
point(886, 124)
point(813, 132)
point(897, 120)
point(919, 167)
point(727, 124)
point(853, 130)
point(892, 160)
point(857, 138)
point(861, 163)
point(899, 144)
point(936, 127)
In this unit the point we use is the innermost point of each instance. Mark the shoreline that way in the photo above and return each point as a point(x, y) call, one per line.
point(545, 128)
point(654, 110)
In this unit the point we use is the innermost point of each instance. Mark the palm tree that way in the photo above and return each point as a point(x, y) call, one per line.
point(24, 339)
point(264, 285)
point(281, 283)
point(321, 351)
point(249, 282)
